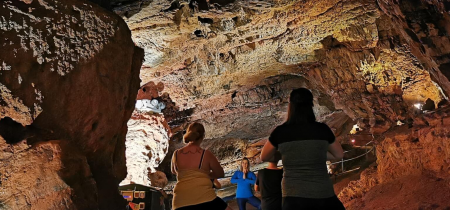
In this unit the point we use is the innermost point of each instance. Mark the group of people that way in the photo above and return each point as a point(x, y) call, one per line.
point(303, 144)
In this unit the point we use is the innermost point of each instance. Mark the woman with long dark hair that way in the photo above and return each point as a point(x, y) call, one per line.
point(195, 167)
point(305, 146)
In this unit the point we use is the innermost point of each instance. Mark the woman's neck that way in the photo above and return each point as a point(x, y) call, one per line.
point(196, 144)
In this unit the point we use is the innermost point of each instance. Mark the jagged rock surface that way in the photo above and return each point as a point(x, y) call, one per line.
point(421, 151)
point(232, 65)
point(147, 143)
point(68, 82)
point(352, 52)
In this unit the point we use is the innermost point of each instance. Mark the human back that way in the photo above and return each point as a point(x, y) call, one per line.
point(268, 182)
point(305, 146)
point(195, 167)
point(304, 154)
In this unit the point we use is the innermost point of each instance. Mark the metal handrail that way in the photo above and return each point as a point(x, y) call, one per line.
point(341, 161)
point(354, 158)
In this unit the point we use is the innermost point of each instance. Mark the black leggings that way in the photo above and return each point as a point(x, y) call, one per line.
point(216, 204)
point(298, 203)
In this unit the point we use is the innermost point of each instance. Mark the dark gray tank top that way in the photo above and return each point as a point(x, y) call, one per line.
point(304, 154)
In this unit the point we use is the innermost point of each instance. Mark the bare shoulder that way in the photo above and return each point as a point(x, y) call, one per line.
point(209, 154)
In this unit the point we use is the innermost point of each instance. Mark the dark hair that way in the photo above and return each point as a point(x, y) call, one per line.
point(194, 132)
point(300, 109)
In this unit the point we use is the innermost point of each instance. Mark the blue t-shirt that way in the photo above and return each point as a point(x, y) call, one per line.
point(244, 186)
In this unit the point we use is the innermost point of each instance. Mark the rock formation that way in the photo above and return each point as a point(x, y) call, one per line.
point(146, 147)
point(231, 65)
point(228, 64)
point(68, 83)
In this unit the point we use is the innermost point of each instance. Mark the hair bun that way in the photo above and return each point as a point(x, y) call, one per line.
point(191, 136)
point(194, 132)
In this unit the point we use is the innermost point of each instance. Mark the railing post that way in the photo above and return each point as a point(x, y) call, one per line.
point(342, 165)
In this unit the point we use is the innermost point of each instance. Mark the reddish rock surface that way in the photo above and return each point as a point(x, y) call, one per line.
point(409, 159)
point(69, 74)
point(68, 83)
point(231, 66)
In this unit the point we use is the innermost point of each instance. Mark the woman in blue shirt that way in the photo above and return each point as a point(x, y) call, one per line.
point(244, 179)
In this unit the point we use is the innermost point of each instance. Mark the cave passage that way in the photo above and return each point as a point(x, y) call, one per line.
point(96, 97)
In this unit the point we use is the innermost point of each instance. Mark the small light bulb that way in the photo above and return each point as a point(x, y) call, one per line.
point(418, 106)
point(353, 140)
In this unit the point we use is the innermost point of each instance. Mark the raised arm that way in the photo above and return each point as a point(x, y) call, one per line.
point(335, 151)
point(251, 178)
point(268, 151)
point(235, 178)
point(214, 165)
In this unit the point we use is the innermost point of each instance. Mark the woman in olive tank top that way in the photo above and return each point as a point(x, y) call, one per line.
point(195, 167)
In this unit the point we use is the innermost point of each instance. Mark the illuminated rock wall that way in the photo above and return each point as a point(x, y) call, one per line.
point(68, 82)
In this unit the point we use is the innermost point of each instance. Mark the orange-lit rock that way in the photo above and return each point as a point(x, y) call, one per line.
point(69, 75)
point(421, 151)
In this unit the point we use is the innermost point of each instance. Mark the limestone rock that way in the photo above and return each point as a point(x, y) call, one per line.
point(47, 175)
point(147, 143)
point(69, 73)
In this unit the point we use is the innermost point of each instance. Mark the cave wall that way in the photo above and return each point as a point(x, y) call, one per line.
point(232, 65)
point(406, 156)
point(68, 83)
point(232, 58)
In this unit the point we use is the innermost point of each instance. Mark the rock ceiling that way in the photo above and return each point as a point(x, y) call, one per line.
point(232, 63)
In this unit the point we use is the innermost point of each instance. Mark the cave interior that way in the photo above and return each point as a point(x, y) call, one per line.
point(98, 94)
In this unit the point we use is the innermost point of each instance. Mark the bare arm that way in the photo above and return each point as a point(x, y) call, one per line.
point(217, 184)
point(268, 151)
point(257, 183)
point(173, 162)
point(335, 151)
point(214, 165)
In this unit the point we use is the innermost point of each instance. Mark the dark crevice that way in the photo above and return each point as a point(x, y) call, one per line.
point(222, 2)
point(200, 4)
point(173, 6)
point(412, 35)
point(205, 20)
point(233, 95)
point(429, 105)
point(94, 126)
point(199, 33)
point(14, 132)
point(447, 5)
point(445, 69)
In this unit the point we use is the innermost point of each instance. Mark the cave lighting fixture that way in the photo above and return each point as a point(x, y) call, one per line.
point(353, 140)
point(418, 106)
point(146, 105)
point(355, 129)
